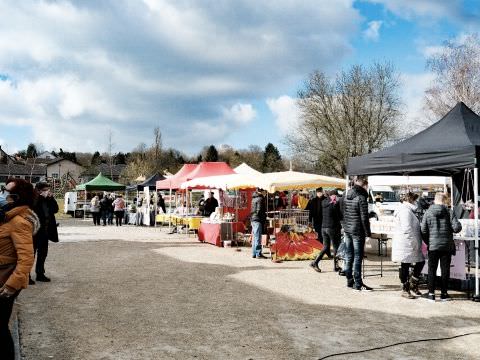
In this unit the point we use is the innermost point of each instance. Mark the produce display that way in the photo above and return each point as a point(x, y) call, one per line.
point(291, 243)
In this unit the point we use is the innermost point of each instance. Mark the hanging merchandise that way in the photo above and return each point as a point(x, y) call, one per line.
point(466, 195)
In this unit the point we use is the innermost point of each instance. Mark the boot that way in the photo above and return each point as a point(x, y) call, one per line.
point(406, 291)
point(414, 285)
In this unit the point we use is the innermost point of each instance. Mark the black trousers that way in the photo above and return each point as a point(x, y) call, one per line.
point(96, 217)
point(330, 236)
point(7, 349)
point(41, 252)
point(119, 217)
point(405, 271)
point(445, 258)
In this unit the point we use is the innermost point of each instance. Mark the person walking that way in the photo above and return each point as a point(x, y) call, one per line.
point(357, 229)
point(407, 246)
point(95, 210)
point(17, 224)
point(314, 208)
point(45, 207)
point(119, 210)
point(331, 217)
point(438, 226)
point(258, 218)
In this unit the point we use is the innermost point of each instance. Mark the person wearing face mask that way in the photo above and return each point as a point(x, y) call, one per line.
point(45, 207)
point(17, 224)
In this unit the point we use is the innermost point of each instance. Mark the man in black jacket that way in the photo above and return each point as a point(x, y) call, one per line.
point(356, 228)
point(45, 207)
point(315, 216)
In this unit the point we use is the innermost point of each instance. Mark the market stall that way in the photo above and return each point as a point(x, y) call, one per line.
point(450, 147)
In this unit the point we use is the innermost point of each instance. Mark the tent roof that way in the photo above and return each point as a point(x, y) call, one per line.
point(444, 148)
point(291, 180)
point(245, 169)
point(100, 182)
point(176, 180)
point(150, 182)
point(205, 169)
point(231, 181)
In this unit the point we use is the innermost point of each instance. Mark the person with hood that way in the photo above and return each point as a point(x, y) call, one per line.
point(95, 210)
point(314, 208)
point(17, 224)
point(45, 207)
point(407, 245)
point(331, 217)
point(438, 226)
point(356, 229)
point(258, 217)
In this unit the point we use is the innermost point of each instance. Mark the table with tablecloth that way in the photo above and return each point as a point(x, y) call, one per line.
point(216, 233)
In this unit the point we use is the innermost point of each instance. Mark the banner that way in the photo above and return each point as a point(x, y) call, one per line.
point(457, 266)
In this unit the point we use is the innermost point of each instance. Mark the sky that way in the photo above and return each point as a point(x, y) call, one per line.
point(205, 72)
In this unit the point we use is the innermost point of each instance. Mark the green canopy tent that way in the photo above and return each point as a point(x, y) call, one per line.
point(101, 183)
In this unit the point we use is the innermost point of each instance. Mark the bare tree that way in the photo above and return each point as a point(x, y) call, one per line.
point(354, 114)
point(110, 146)
point(457, 76)
point(157, 144)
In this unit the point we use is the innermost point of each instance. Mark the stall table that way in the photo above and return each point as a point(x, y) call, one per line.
point(216, 233)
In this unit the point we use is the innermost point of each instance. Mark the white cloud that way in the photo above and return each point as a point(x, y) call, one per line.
point(77, 68)
point(413, 90)
point(240, 113)
point(286, 113)
point(373, 30)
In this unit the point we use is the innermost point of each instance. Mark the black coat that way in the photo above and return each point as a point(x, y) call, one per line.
point(46, 208)
point(331, 215)
point(258, 212)
point(314, 208)
point(355, 217)
point(210, 206)
point(438, 226)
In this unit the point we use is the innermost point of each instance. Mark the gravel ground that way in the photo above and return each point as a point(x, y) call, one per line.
point(138, 293)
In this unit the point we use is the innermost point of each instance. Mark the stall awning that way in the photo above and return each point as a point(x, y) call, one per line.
point(176, 180)
point(291, 180)
point(101, 183)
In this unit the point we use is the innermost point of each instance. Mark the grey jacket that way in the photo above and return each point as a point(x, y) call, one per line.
point(438, 226)
point(258, 208)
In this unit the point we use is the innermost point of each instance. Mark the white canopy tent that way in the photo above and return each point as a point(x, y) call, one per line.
point(245, 169)
point(291, 180)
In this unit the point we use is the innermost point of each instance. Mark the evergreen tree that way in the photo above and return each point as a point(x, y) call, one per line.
point(96, 159)
point(272, 160)
point(212, 154)
point(32, 151)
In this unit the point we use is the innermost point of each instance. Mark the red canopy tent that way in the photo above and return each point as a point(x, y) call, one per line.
point(176, 180)
point(205, 169)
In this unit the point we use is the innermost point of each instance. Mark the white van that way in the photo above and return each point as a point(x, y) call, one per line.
point(74, 206)
point(382, 200)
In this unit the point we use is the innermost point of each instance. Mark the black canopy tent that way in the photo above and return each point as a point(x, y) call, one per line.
point(450, 147)
point(151, 182)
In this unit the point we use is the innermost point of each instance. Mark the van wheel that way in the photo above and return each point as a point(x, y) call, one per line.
point(78, 213)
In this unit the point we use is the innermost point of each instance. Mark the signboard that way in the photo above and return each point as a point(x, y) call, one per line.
point(457, 266)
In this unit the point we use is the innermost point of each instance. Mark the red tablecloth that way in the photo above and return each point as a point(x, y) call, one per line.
point(216, 233)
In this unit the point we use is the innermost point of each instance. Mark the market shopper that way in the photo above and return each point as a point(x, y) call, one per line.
point(95, 210)
point(357, 229)
point(119, 209)
point(17, 224)
point(407, 246)
point(161, 203)
point(331, 217)
point(258, 218)
point(105, 208)
point(210, 205)
point(314, 208)
point(45, 207)
point(438, 226)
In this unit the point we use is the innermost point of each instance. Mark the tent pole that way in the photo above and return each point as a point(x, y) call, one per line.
point(475, 192)
point(170, 210)
point(451, 192)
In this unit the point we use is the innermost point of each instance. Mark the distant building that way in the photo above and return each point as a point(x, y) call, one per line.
point(32, 173)
point(46, 155)
point(58, 167)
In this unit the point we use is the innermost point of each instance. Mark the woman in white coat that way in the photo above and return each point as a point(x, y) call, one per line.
point(407, 246)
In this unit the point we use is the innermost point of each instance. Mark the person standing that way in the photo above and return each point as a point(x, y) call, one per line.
point(407, 245)
point(104, 208)
point(45, 207)
point(356, 229)
point(258, 218)
point(119, 210)
point(95, 210)
point(210, 205)
point(331, 217)
point(161, 203)
point(111, 208)
point(314, 208)
point(17, 223)
point(438, 226)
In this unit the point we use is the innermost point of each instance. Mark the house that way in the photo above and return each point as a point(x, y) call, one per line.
point(111, 171)
point(46, 155)
point(32, 173)
point(58, 167)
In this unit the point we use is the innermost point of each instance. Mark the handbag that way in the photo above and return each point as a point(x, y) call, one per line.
point(5, 271)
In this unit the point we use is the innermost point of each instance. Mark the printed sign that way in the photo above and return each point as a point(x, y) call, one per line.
point(457, 266)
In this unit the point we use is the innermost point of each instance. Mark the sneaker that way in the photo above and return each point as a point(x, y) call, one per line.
point(350, 283)
point(363, 287)
point(429, 297)
point(445, 297)
point(407, 295)
point(261, 256)
point(315, 267)
point(43, 278)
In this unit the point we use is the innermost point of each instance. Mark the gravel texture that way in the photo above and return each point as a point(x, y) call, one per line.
point(139, 293)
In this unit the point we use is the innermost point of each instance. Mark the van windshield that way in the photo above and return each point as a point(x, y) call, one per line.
point(386, 196)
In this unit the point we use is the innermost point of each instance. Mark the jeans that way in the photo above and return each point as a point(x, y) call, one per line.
point(330, 236)
point(444, 257)
point(256, 238)
point(7, 349)
point(41, 251)
point(405, 271)
point(354, 250)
